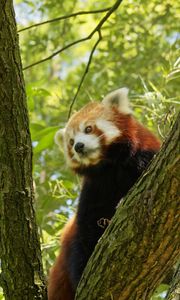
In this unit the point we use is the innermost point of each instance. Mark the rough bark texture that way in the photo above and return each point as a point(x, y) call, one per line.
point(22, 275)
point(142, 242)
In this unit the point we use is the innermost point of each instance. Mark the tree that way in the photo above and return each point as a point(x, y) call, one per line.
point(133, 38)
point(142, 242)
point(22, 274)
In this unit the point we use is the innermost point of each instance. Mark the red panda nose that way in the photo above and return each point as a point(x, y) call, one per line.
point(79, 147)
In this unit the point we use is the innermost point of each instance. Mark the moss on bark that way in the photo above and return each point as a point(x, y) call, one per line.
point(22, 274)
point(142, 242)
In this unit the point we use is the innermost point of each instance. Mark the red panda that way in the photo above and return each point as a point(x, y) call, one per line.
point(105, 144)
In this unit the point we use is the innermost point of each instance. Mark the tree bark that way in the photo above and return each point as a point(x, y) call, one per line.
point(22, 274)
point(143, 240)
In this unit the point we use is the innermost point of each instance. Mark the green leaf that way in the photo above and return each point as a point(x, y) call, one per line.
point(38, 131)
point(46, 139)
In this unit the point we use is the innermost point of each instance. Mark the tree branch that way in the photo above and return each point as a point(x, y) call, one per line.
point(65, 17)
point(96, 29)
point(85, 73)
point(57, 52)
point(142, 241)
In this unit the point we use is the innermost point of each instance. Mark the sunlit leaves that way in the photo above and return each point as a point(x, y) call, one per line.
point(160, 292)
point(42, 138)
point(139, 49)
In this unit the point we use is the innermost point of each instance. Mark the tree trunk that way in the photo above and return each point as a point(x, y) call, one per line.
point(142, 242)
point(22, 274)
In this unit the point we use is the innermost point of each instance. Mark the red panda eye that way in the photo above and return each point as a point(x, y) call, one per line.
point(88, 129)
point(71, 141)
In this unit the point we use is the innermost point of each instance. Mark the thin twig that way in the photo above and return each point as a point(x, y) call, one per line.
point(85, 73)
point(112, 9)
point(96, 29)
point(65, 17)
point(56, 53)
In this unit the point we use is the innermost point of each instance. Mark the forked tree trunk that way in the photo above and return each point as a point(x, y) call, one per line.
point(143, 240)
point(22, 274)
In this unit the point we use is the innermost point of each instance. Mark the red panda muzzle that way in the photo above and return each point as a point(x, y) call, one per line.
point(110, 150)
point(79, 148)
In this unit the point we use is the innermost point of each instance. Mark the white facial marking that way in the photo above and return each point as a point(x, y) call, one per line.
point(92, 148)
point(110, 130)
point(90, 141)
point(81, 127)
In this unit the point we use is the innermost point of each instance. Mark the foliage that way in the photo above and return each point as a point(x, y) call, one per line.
point(160, 292)
point(139, 49)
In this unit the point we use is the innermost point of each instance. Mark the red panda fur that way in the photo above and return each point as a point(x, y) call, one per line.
point(141, 137)
point(124, 148)
point(60, 287)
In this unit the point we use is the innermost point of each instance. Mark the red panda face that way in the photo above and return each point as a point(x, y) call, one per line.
point(91, 130)
point(85, 141)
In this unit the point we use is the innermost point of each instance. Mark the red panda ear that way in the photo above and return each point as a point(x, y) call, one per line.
point(118, 99)
point(59, 137)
